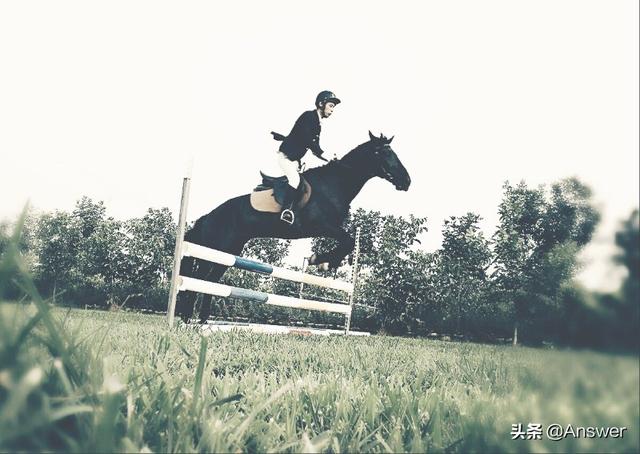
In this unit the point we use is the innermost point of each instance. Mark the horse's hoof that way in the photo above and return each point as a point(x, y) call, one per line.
point(312, 259)
point(324, 266)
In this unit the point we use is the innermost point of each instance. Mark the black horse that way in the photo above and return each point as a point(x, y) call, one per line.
point(334, 185)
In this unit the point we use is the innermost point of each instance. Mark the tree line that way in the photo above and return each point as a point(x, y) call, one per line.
point(518, 284)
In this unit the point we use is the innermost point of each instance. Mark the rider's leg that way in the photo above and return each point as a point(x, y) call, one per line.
point(287, 215)
point(290, 169)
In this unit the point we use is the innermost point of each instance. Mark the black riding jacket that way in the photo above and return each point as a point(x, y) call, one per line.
point(305, 135)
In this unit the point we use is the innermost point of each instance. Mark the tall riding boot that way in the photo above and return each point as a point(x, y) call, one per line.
point(287, 214)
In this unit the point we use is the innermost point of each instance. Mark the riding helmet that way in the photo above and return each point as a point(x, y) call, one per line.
point(326, 96)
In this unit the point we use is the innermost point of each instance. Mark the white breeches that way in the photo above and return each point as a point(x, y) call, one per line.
point(290, 169)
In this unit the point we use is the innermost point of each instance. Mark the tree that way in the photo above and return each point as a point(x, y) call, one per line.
point(80, 253)
point(98, 260)
point(101, 263)
point(150, 243)
point(536, 246)
point(88, 215)
point(568, 216)
point(57, 247)
point(396, 283)
point(462, 263)
point(25, 237)
point(17, 238)
point(628, 240)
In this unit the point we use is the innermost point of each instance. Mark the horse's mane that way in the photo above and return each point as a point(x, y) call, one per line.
point(335, 164)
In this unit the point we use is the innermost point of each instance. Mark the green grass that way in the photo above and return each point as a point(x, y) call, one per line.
point(98, 381)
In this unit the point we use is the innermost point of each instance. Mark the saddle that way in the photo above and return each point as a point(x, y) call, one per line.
point(268, 195)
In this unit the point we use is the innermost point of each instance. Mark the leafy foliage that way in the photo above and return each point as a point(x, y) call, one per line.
point(536, 246)
point(626, 305)
point(471, 287)
point(394, 276)
point(628, 240)
point(97, 260)
point(461, 273)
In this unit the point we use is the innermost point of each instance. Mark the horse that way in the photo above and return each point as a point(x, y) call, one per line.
point(334, 186)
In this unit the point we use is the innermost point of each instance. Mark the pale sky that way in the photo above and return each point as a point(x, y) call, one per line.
point(112, 100)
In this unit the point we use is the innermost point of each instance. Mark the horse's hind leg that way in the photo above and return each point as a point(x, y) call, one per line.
point(185, 300)
point(184, 305)
point(214, 274)
point(201, 270)
point(205, 309)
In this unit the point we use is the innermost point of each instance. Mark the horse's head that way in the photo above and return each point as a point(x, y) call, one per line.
point(385, 163)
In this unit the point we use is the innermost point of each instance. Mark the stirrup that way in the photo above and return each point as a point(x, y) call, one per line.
point(288, 216)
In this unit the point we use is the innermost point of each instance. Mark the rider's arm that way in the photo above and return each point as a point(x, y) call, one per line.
point(315, 147)
point(312, 133)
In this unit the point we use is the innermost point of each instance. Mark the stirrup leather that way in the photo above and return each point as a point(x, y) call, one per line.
point(288, 216)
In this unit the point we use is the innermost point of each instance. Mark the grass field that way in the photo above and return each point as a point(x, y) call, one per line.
point(98, 381)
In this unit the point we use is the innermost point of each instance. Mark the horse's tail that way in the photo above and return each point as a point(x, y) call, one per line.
point(194, 232)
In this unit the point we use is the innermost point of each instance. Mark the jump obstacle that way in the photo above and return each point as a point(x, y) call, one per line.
point(184, 283)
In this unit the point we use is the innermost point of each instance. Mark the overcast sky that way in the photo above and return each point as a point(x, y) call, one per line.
point(113, 99)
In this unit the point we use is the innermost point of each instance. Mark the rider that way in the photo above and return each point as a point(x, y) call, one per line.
point(305, 135)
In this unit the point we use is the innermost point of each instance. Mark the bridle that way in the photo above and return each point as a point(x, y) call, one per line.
point(383, 172)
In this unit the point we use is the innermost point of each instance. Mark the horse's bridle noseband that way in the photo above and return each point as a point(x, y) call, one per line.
point(383, 173)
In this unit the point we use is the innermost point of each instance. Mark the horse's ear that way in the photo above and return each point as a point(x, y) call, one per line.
point(389, 141)
point(371, 136)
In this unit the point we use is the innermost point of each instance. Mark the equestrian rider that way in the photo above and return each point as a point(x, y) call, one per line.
point(305, 135)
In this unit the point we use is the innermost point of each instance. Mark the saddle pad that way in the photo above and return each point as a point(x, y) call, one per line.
point(264, 200)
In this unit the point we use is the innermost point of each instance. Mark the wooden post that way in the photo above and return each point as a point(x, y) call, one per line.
point(305, 262)
point(354, 275)
point(177, 256)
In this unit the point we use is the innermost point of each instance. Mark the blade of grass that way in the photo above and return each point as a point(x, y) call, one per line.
point(197, 385)
point(242, 428)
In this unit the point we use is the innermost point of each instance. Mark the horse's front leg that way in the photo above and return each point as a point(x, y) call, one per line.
point(332, 259)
